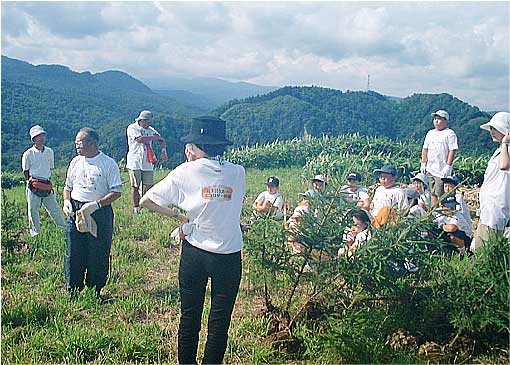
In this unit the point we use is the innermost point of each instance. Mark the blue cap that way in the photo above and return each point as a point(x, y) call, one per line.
point(449, 201)
point(451, 180)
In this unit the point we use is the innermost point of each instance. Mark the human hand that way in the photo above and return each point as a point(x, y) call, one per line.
point(68, 208)
point(90, 207)
point(506, 138)
point(447, 171)
point(164, 155)
point(423, 167)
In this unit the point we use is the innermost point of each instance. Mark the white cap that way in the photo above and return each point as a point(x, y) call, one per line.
point(35, 131)
point(145, 115)
point(442, 113)
point(320, 177)
point(500, 121)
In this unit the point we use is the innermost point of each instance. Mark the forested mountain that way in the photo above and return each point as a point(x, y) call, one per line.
point(290, 111)
point(214, 91)
point(63, 101)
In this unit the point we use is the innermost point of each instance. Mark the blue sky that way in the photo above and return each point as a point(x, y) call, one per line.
point(461, 48)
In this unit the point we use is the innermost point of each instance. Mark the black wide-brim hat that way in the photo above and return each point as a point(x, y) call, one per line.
point(207, 130)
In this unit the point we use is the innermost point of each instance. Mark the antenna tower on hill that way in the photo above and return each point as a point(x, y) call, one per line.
point(368, 83)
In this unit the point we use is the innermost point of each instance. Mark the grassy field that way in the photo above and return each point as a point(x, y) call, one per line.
point(138, 320)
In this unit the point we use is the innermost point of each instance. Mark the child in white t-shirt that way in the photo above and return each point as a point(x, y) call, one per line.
point(387, 197)
point(270, 200)
point(421, 184)
point(450, 186)
point(353, 193)
point(358, 233)
point(452, 224)
point(415, 210)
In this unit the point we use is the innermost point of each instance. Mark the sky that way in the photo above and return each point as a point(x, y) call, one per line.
point(461, 48)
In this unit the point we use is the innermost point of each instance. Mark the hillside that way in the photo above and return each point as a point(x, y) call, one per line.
point(63, 101)
point(334, 112)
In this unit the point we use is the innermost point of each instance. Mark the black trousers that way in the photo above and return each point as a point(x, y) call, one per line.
point(195, 268)
point(86, 253)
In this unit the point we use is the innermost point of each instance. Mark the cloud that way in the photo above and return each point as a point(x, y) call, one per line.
point(406, 47)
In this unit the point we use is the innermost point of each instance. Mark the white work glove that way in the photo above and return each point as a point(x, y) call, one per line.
point(89, 208)
point(447, 171)
point(187, 228)
point(68, 208)
point(423, 167)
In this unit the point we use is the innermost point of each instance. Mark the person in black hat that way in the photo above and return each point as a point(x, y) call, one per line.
point(211, 191)
point(387, 196)
point(270, 200)
point(354, 193)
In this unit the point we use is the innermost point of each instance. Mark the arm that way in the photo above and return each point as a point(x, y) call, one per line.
point(173, 213)
point(27, 174)
point(147, 139)
point(451, 157)
point(424, 155)
point(109, 198)
point(504, 158)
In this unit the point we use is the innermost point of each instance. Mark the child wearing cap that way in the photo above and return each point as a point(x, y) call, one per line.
point(438, 153)
point(353, 192)
point(415, 210)
point(319, 183)
point(388, 196)
point(452, 224)
point(358, 233)
point(295, 221)
point(421, 184)
point(270, 200)
point(450, 186)
point(495, 191)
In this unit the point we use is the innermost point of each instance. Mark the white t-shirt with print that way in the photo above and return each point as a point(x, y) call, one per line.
point(439, 144)
point(276, 200)
point(458, 219)
point(212, 195)
point(137, 154)
point(495, 194)
point(354, 196)
point(394, 196)
point(38, 164)
point(90, 179)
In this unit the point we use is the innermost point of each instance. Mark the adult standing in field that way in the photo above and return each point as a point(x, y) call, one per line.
point(438, 153)
point(211, 191)
point(92, 184)
point(140, 157)
point(495, 191)
point(36, 164)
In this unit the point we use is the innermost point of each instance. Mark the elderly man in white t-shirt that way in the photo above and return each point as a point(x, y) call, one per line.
point(140, 157)
point(36, 164)
point(495, 191)
point(438, 153)
point(92, 184)
point(211, 191)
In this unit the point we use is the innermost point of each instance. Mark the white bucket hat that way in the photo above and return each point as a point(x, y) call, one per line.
point(144, 115)
point(35, 131)
point(500, 121)
point(320, 178)
point(442, 113)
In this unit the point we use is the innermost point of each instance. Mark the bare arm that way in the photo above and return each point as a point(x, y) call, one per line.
point(504, 158)
point(109, 198)
point(174, 213)
point(451, 157)
point(147, 139)
point(424, 154)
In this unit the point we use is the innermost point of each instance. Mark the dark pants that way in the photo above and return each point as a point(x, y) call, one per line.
point(86, 253)
point(196, 266)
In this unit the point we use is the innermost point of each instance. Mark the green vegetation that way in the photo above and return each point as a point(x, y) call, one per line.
point(366, 310)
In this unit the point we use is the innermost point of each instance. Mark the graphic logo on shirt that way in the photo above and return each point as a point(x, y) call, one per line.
point(217, 193)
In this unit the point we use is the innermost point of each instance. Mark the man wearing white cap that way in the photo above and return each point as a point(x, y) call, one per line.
point(141, 157)
point(495, 191)
point(438, 153)
point(36, 164)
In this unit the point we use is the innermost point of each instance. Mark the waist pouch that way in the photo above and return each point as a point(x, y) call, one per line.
point(41, 188)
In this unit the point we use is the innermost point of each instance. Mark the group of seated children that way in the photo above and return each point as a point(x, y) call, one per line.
point(453, 219)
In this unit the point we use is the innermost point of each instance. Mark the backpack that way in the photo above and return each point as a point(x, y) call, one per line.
point(41, 188)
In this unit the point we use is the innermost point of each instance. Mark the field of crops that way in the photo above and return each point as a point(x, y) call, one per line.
point(341, 311)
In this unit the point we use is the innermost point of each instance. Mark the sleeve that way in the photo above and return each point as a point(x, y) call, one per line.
point(113, 178)
point(452, 142)
point(133, 133)
point(278, 202)
point(69, 176)
point(25, 161)
point(402, 201)
point(426, 142)
point(52, 159)
point(260, 197)
point(154, 131)
point(363, 194)
point(166, 192)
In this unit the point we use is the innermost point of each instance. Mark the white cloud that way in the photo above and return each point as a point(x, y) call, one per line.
point(461, 48)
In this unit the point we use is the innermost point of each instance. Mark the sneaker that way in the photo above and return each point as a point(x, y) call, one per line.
point(136, 212)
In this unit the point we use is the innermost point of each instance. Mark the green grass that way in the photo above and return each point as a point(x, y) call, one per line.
point(138, 322)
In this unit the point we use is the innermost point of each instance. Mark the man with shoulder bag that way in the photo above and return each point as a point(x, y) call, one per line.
point(36, 163)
